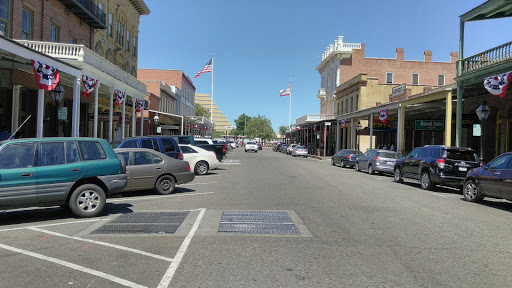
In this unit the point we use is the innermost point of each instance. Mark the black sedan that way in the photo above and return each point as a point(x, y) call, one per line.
point(346, 157)
point(491, 180)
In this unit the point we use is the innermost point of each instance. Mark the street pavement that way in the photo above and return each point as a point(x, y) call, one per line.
point(356, 230)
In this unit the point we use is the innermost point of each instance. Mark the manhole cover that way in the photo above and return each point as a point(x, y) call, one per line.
point(144, 223)
point(257, 222)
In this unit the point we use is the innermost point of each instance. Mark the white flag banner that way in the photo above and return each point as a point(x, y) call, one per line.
point(286, 92)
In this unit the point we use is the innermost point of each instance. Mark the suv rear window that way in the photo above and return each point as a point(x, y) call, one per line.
point(389, 155)
point(168, 145)
point(469, 156)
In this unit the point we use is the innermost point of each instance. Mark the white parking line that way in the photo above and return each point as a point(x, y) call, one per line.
point(73, 266)
point(55, 224)
point(159, 197)
point(166, 280)
point(198, 183)
point(103, 244)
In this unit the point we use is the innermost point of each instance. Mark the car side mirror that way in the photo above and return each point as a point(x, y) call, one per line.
point(485, 166)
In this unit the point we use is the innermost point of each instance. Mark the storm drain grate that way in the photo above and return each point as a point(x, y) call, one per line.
point(257, 222)
point(144, 223)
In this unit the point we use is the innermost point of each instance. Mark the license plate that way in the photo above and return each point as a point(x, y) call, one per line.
point(463, 169)
point(391, 163)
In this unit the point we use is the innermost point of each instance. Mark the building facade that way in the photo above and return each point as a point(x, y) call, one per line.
point(219, 119)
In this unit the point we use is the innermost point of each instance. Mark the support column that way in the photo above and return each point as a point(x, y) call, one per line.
point(142, 121)
point(371, 130)
point(337, 136)
point(40, 113)
point(399, 129)
point(123, 118)
point(448, 121)
point(325, 138)
point(402, 129)
point(352, 130)
point(75, 119)
point(95, 121)
point(460, 109)
point(16, 90)
point(134, 116)
point(110, 113)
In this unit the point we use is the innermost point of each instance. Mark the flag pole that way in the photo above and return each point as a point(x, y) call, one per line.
point(211, 106)
point(290, 109)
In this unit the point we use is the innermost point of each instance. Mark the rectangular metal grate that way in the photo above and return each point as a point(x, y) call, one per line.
point(144, 223)
point(257, 222)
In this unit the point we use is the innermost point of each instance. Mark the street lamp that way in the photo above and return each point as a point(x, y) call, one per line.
point(482, 112)
point(156, 119)
point(358, 128)
point(57, 94)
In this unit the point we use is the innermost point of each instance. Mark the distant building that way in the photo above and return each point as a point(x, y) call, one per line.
point(219, 119)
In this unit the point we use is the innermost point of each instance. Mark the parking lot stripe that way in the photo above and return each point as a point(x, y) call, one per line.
point(159, 196)
point(199, 183)
point(166, 280)
point(73, 266)
point(104, 244)
point(54, 224)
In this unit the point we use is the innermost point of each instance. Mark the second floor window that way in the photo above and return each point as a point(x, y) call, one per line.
point(4, 17)
point(110, 20)
point(127, 40)
point(120, 33)
point(389, 78)
point(134, 46)
point(440, 79)
point(26, 26)
point(54, 34)
point(72, 40)
point(415, 79)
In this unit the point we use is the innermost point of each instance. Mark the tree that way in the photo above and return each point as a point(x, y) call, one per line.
point(200, 111)
point(282, 129)
point(260, 127)
point(241, 123)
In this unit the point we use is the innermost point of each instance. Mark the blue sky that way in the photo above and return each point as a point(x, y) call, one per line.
point(258, 44)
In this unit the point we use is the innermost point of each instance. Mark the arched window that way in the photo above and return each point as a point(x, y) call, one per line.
point(109, 55)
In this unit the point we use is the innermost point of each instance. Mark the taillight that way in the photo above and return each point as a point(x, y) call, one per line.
point(188, 168)
point(377, 158)
point(224, 149)
point(180, 156)
point(440, 163)
point(123, 167)
point(349, 157)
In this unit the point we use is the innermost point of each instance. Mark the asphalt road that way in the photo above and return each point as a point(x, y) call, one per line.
point(356, 230)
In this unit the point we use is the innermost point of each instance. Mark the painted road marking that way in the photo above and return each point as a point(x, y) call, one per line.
point(74, 266)
point(158, 196)
point(198, 183)
point(166, 280)
point(55, 224)
point(103, 244)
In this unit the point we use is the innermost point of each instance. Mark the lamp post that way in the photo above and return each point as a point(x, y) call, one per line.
point(482, 112)
point(156, 120)
point(57, 94)
point(358, 128)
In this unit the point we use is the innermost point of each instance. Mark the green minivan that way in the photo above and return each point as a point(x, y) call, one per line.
point(77, 173)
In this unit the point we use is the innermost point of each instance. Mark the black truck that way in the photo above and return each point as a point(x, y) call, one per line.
point(219, 149)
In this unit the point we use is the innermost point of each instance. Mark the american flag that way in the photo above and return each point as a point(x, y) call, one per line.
point(207, 68)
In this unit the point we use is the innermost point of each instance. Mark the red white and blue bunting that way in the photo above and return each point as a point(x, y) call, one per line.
point(383, 115)
point(139, 103)
point(89, 85)
point(120, 96)
point(343, 122)
point(47, 77)
point(497, 85)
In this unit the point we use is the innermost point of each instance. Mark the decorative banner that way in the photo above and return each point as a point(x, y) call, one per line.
point(195, 126)
point(120, 96)
point(47, 77)
point(89, 85)
point(139, 103)
point(314, 128)
point(298, 128)
point(383, 115)
point(343, 122)
point(497, 85)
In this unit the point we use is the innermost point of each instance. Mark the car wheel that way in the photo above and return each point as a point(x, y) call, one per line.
point(332, 162)
point(397, 175)
point(342, 164)
point(87, 200)
point(426, 182)
point(201, 168)
point(165, 185)
point(370, 170)
point(472, 192)
point(357, 166)
point(305, 156)
point(245, 151)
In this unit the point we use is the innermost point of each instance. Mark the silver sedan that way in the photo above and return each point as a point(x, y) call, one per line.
point(299, 151)
point(149, 169)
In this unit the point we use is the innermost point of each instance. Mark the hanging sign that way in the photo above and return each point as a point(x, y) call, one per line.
point(497, 85)
point(477, 131)
point(432, 125)
point(47, 77)
point(62, 113)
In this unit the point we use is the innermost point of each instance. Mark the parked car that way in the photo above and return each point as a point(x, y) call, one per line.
point(163, 144)
point(219, 149)
point(78, 173)
point(150, 169)
point(290, 148)
point(260, 147)
point(300, 151)
point(277, 147)
point(435, 165)
point(283, 148)
point(346, 157)
point(491, 180)
point(202, 160)
point(376, 160)
point(251, 146)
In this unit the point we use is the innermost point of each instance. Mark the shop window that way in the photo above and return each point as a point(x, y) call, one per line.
point(389, 78)
point(4, 17)
point(415, 78)
point(110, 20)
point(128, 40)
point(440, 80)
point(72, 39)
point(27, 24)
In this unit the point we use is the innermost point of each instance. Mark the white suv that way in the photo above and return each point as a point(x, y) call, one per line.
point(251, 146)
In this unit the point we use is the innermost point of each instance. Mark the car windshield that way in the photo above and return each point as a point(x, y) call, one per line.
point(251, 143)
point(300, 147)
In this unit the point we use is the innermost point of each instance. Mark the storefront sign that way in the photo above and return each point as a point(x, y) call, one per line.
point(103, 117)
point(63, 113)
point(159, 129)
point(398, 90)
point(432, 125)
point(476, 130)
point(327, 123)
point(170, 127)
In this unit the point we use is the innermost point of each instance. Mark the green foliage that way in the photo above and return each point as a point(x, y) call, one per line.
point(241, 122)
point(260, 127)
point(282, 129)
point(200, 111)
point(219, 133)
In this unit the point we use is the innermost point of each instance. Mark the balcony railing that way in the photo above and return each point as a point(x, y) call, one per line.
point(487, 58)
point(88, 12)
point(80, 53)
